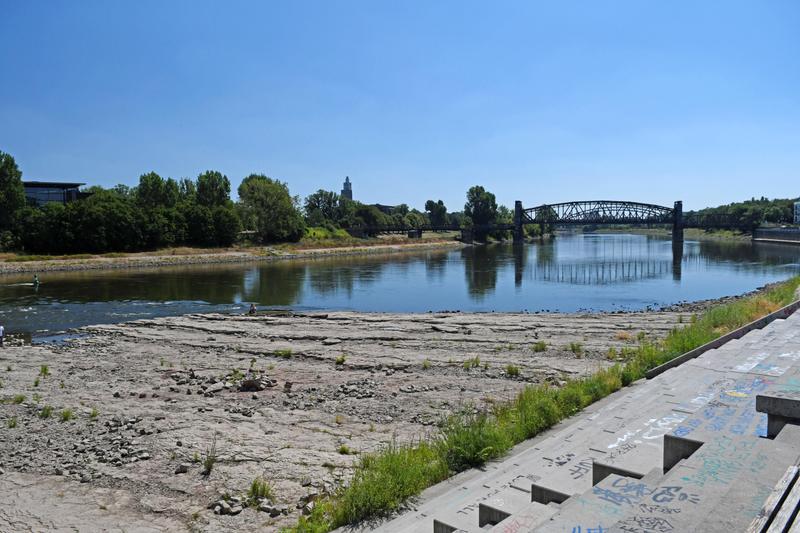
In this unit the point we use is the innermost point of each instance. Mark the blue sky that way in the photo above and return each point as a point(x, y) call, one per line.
point(543, 102)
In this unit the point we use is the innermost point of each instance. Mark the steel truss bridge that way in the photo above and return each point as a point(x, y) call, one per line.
point(583, 213)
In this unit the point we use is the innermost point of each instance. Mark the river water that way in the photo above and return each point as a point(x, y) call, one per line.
point(598, 272)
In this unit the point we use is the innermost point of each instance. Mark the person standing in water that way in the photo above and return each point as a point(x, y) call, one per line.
point(36, 280)
point(2, 335)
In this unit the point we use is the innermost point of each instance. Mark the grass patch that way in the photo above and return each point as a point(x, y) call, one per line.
point(46, 411)
point(340, 359)
point(473, 362)
point(67, 415)
point(259, 489)
point(36, 382)
point(44, 371)
point(623, 336)
point(512, 371)
point(344, 449)
point(285, 354)
point(384, 480)
point(12, 422)
point(94, 414)
point(426, 364)
point(540, 346)
point(576, 348)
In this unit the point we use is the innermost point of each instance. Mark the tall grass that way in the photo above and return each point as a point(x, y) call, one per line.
point(383, 481)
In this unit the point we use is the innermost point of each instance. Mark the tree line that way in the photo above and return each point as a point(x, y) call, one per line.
point(750, 213)
point(163, 212)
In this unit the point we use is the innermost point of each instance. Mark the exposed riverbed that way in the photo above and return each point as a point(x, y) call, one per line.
point(333, 385)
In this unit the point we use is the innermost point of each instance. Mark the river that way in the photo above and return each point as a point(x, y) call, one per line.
point(574, 272)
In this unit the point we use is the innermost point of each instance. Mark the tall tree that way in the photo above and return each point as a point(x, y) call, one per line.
point(12, 193)
point(481, 206)
point(274, 210)
point(322, 206)
point(437, 212)
point(213, 189)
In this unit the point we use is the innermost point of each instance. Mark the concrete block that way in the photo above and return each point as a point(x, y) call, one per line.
point(677, 448)
point(781, 409)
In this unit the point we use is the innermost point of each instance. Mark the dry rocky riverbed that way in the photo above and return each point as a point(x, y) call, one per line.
point(290, 398)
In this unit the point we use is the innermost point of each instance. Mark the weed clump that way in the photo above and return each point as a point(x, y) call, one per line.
point(340, 359)
point(46, 411)
point(576, 348)
point(259, 489)
point(66, 415)
point(210, 458)
point(512, 371)
point(473, 362)
point(540, 346)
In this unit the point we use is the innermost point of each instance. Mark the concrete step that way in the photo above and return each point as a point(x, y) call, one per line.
point(527, 519)
point(499, 507)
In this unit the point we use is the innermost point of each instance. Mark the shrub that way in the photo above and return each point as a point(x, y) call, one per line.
point(540, 346)
point(426, 364)
point(512, 371)
point(340, 359)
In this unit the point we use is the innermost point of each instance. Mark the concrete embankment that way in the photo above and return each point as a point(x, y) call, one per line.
point(125, 419)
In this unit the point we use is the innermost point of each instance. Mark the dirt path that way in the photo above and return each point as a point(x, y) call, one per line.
point(332, 385)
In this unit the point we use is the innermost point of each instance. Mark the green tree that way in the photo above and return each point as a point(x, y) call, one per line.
point(275, 211)
point(481, 206)
point(213, 188)
point(437, 212)
point(226, 225)
point(322, 206)
point(12, 193)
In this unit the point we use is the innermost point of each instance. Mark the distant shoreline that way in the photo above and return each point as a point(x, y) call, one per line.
point(154, 260)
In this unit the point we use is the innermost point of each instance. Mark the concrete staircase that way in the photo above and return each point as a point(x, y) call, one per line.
point(705, 446)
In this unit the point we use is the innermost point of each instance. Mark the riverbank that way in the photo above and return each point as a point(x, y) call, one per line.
point(123, 418)
point(12, 264)
point(688, 233)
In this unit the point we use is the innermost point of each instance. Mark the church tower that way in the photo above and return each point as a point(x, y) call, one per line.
point(347, 191)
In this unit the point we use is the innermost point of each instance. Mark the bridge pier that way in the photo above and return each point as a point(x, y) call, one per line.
point(519, 233)
point(677, 222)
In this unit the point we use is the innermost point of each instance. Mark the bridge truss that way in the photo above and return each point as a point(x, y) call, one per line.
point(598, 212)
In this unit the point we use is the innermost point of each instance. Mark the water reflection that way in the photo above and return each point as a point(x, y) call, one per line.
point(568, 273)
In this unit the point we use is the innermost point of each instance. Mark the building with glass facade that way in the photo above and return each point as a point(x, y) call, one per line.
point(46, 192)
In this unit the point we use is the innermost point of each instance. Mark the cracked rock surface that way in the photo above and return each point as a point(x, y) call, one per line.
point(135, 409)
